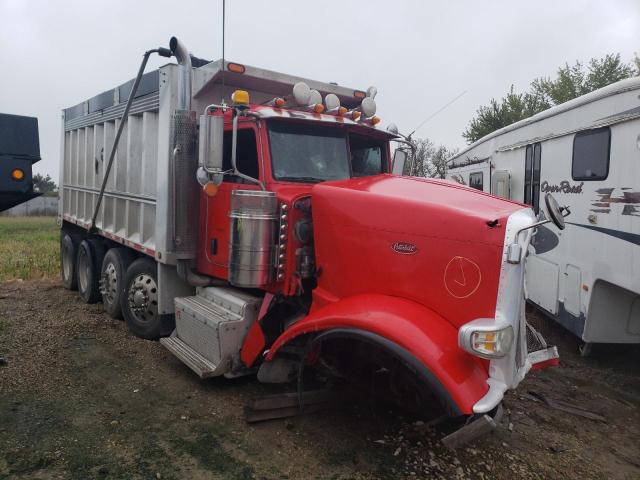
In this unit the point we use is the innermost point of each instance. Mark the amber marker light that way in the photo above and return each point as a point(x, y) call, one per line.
point(235, 67)
point(359, 94)
point(278, 102)
point(355, 115)
point(17, 174)
point(375, 120)
point(210, 189)
point(318, 108)
point(342, 111)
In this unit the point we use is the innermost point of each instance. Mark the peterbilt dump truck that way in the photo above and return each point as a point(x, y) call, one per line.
point(19, 150)
point(269, 232)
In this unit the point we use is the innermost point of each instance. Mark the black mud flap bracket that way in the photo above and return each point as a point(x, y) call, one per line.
point(475, 428)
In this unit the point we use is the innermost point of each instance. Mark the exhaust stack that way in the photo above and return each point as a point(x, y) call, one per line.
point(180, 51)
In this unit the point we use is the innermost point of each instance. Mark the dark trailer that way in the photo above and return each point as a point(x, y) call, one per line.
point(19, 150)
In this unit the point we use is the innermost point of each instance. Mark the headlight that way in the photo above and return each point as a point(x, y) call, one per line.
point(485, 338)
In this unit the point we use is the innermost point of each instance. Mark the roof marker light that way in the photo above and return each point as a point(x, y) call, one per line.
point(277, 102)
point(354, 114)
point(318, 108)
point(375, 120)
point(342, 111)
point(359, 94)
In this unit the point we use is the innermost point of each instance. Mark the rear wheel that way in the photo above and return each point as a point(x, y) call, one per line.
point(69, 243)
point(140, 302)
point(89, 260)
point(112, 276)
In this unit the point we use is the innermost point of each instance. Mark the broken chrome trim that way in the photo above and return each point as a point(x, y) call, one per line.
point(544, 355)
point(492, 398)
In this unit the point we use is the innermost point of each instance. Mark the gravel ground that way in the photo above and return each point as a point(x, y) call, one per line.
point(82, 398)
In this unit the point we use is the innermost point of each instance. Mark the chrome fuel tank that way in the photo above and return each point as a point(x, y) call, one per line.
point(252, 242)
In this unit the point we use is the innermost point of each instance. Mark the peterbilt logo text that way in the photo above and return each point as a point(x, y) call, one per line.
point(564, 187)
point(404, 248)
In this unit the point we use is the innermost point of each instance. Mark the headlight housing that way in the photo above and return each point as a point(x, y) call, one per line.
point(486, 338)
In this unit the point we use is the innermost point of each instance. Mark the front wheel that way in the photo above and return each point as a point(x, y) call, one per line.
point(140, 301)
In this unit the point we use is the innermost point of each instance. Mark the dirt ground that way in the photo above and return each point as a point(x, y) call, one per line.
point(82, 398)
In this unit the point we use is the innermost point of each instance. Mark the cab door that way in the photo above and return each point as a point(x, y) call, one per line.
point(214, 213)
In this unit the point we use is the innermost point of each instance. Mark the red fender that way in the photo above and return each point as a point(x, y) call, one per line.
point(422, 333)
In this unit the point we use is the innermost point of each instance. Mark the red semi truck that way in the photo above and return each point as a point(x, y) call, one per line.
point(270, 232)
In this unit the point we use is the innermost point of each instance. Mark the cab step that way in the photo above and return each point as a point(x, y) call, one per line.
point(187, 355)
point(210, 330)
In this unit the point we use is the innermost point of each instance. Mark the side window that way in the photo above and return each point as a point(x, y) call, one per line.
point(476, 181)
point(367, 156)
point(246, 155)
point(591, 151)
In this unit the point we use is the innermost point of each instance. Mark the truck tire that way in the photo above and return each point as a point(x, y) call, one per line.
point(140, 302)
point(69, 243)
point(89, 260)
point(112, 274)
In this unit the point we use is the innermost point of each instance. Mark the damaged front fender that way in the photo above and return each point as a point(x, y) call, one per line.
point(420, 337)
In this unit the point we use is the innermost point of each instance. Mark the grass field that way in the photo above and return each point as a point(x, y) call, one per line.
point(29, 248)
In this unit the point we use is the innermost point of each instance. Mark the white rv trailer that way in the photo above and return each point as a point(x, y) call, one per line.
point(587, 153)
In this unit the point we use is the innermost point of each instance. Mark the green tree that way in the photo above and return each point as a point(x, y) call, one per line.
point(571, 81)
point(431, 161)
point(44, 184)
point(500, 113)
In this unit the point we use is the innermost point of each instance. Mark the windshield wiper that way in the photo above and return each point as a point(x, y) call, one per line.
point(302, 179)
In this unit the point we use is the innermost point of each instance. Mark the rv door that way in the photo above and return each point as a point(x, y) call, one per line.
point(501, 183)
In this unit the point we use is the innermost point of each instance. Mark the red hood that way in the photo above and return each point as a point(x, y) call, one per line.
point(431, 241)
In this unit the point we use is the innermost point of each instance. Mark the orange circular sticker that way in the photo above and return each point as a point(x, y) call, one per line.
point(462, 277)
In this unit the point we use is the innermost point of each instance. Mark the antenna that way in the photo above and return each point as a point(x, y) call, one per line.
point(223, 68)
point(435, 113)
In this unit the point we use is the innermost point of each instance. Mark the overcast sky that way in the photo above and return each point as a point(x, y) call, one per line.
point(420, 54)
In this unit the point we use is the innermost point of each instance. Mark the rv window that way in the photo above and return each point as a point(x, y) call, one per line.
point(527, 174)
point(246, 155)
point(475, 181)
point(532, 161)
point(535, 180)
point(591, 151)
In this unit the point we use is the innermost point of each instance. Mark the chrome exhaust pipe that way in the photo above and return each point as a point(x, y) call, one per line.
point(179, 50)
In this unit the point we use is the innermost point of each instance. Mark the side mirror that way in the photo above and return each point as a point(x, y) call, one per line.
point(399, 159)
point(556, 212)
point(211, 141)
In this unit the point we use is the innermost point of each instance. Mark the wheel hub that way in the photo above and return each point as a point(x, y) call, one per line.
point(143, 298)
point(109, 283)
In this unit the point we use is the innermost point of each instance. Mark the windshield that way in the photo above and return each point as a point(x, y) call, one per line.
point(308, 153)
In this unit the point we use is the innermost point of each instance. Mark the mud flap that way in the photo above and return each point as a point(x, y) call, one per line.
point(474, 429)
